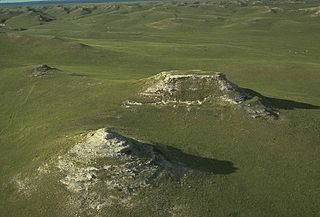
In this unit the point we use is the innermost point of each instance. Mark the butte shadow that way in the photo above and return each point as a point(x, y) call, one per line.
point(178, 157)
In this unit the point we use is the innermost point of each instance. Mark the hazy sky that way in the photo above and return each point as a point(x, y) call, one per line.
point(12, 1)
point(8, 1)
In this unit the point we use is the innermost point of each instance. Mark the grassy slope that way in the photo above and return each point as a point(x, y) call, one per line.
point(277, 161)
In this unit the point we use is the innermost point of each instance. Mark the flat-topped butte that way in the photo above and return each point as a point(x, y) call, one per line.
point(196, 87)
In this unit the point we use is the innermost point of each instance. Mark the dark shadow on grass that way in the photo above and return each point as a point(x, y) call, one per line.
point(281, 103)
point(289, 104)
point(160, 154)
point(204, 164)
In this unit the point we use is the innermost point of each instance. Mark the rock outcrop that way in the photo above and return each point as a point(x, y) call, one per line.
point(42, 70)
point(106, 169)
point(118, 164)
point(197, 87)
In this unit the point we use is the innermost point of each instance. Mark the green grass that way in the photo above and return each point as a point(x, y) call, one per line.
point(275, 54)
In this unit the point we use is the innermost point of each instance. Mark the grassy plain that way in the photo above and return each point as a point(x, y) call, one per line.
point(102, 52)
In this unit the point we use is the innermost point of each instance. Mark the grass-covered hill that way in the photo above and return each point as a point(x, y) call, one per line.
point(66, 71)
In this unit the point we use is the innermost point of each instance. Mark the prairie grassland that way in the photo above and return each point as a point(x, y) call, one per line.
point(102, 51)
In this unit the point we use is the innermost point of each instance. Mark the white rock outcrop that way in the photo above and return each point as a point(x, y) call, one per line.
point(195, 88)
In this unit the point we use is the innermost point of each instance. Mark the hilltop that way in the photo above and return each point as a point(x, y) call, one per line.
point(196, 87)
point(101, 113)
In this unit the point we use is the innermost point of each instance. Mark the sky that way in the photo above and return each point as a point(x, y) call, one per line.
point(25, 1)
point(13, 1)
